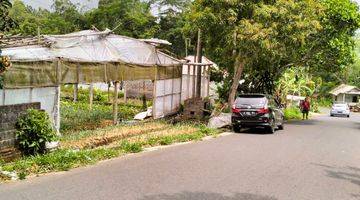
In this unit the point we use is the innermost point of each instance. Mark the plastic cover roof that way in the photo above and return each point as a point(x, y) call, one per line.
point(93, 46)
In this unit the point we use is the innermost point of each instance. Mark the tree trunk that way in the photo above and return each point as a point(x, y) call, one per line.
point(239, 66)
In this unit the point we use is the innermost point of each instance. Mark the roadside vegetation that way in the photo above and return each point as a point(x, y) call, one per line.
point(89, 147)
point(292, 113)
point(280, 48)
point(78, 116)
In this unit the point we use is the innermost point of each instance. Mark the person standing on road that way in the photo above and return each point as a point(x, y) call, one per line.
point(305, 107)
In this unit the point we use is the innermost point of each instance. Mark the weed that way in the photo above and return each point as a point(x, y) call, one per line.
point(292, 113)
point(166, 140)
point(129, 147)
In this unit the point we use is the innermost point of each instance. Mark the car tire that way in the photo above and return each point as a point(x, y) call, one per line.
point(331, 115)
point(236, 128)
point(348, 116)
point(281, 127)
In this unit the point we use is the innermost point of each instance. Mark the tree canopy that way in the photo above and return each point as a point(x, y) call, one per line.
point(258, 40)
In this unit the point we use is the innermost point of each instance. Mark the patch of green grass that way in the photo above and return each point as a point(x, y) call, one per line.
point(65, 159)
point(79, 117)
point(59, 160)
point(292, 113)
point(131, 147)
point(166, 140)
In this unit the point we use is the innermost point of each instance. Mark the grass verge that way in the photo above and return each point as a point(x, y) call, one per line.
point(69, 157)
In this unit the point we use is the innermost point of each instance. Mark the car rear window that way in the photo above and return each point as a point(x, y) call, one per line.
point(253, 101)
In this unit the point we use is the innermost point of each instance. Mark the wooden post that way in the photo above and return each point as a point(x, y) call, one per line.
point(188, 83)
point(199, 60)
point(76, 86)
point(91, 95)
point(56, 109)
point(194, 82)
point(115, 102)
point(144, 95)
point(125, 92)
point(76, 91)
point(154, 94)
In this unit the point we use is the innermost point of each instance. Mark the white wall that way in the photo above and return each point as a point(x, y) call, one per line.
point(47, 97)
point(167, 97)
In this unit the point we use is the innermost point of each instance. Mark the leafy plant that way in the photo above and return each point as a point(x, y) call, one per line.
point(34, 129)
point(129, 147)
point(292, 113)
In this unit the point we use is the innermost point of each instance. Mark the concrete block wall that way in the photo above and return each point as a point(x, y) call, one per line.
point(8, 118)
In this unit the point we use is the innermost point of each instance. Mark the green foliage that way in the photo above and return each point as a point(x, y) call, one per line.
point(65, 159)
point(166, 140)
point(296, 81)
point(292, 113)
point(59, 160)
point(130, 17)
point(6, 22)
point(34, 129)
point(325, 102)
point(131, 147)
point(1, 81)
point(79, 116)
point(65, 18)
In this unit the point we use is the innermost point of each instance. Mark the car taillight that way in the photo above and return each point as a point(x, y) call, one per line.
point(263, 111)
point(235, 110)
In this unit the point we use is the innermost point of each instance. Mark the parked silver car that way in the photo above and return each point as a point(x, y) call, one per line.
point(340, 109)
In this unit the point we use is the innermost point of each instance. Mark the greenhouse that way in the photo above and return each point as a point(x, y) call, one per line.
point(41, 65)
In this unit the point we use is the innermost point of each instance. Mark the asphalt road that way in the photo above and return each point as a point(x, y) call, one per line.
point(316, 159)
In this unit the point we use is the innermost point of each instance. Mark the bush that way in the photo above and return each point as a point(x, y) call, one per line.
point(34, 129)
point(292, 113)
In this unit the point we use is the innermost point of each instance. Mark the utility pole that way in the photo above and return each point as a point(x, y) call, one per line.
point(199, 60)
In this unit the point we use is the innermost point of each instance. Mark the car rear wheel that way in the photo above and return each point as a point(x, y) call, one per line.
point(236, 128)
point(281, 127)
point(270, 129)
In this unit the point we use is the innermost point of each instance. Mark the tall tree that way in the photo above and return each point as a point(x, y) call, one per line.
point(242, 33)
point(6, 23)
point(130, 17)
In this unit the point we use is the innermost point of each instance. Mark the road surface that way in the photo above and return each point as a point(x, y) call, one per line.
point(316, 159)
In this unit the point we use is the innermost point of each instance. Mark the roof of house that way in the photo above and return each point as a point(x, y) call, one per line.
point(90, 46)
point(345, 89)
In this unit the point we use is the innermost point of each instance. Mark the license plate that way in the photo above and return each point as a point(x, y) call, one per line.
point(248, 113)
point(340, 111)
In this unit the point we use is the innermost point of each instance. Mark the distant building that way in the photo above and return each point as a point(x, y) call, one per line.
point(346, 94)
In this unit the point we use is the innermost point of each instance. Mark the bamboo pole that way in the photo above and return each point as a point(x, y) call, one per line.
point(125, 92)
point(115, 102)
point(91, 95)
point(199, 68)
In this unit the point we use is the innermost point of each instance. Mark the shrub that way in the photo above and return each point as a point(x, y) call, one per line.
point(34, 129)
point(292, 113)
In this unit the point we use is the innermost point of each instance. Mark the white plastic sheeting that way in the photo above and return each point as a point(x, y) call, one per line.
point(189, 82)
point(93, 46)
point(46, 96)
point(167, 97)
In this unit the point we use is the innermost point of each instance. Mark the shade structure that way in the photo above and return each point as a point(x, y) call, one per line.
point(85, 57)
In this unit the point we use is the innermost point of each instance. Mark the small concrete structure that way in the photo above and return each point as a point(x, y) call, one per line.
point(346, 94)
